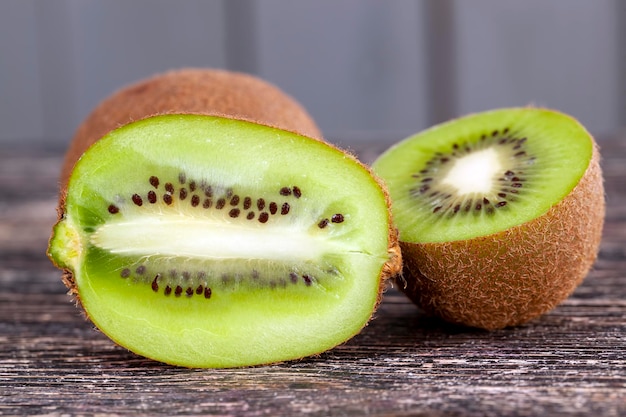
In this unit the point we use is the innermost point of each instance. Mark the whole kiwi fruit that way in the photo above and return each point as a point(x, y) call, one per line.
point(203, 222)
point(500, 214)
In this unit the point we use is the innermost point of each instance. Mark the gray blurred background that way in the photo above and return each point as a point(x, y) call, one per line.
point(365, 69)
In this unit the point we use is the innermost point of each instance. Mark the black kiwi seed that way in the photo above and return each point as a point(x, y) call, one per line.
point(192, 186)
point(260, 204)
point(207, 292)
point(337, 218)
point(141, 269)
point(234, 213)
point(152, 197)
point(182, 178)
point(167, 198)
point(273, 208)
point(285, 191)
point(296, 192)
point(293, 277)
point(195, 200)
point(154, 181)
point(155, 284)
point(137, 199)
point(220, 204)
point(207, 203)
point(323, 223)
point(284, 209)
point(208, 191)
point(235, 200)
point(264, 217)
point(182, 194)
point(113, 209)
point(189, 292)
point(229, 192)
point(169, 188)
point(178, 291)
point(307, 280)
point(247, 203)
point(250, 215)
point(168, 290)
point(199, 290)
point(125, 273)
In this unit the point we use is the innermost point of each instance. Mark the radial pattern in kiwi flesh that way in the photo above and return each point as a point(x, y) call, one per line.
point(499, 213)
point(204, 241)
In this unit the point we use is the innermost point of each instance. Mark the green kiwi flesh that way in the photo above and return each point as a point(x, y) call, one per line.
point(204, 241)
point(499, 214)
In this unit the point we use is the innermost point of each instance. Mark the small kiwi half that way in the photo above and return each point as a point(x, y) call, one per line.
point(209, 241)
point(499, 213)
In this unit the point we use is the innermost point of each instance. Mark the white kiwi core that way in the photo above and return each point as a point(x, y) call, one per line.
point(474, 173)
point(205, 238)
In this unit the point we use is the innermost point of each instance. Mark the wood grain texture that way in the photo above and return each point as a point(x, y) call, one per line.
point(571, 361)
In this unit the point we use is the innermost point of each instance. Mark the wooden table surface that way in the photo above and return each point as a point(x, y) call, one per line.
point(571, 361)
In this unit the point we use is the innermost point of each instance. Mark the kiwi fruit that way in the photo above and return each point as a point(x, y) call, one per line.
point(499, 213)
point(205, 239)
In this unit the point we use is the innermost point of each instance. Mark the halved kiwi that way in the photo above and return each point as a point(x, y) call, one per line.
point(499, 214)
point(208, 241)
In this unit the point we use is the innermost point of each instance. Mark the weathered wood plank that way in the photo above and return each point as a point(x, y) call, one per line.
point(52, 361)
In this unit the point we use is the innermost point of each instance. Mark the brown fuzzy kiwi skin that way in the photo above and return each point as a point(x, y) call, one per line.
point(191, 90)
point(508, 278)
point(207, 92)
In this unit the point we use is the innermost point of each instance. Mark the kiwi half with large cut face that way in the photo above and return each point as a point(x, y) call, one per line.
point(499, 214)
point(207, 241)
